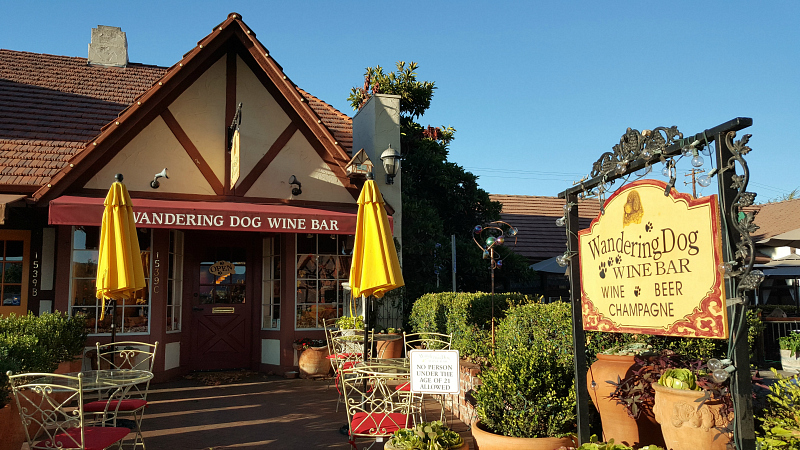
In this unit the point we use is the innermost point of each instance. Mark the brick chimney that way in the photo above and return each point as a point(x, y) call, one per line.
point(109, 47)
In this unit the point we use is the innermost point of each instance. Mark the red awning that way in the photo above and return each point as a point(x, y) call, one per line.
point(68, 210)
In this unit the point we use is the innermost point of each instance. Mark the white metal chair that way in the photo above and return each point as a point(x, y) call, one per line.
point(125, 356)
point(52, 413)
point(348, 350)
point(426, 341)
point(374, 408)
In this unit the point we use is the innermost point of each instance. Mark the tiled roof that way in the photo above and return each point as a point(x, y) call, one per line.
point(776, 218)
point(51, 106)
point(539, 237)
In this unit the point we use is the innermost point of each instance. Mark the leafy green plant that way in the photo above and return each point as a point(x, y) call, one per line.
point(350, 322)
point(528, 387)
point(629, 349)
point(594, 444)
point(781, 422)
point(790, 342)
point(679, 379)
point(426, 436)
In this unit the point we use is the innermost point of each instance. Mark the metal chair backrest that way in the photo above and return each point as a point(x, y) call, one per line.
point(374, 406)
point(128, 355)
point(427, 341)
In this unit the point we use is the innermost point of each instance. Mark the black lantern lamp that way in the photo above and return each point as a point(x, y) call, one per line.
point(391, 163)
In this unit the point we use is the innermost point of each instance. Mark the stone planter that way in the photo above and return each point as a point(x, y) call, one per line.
point(688, 427)
point(389, 348)
point(617, 424)
point(790, 362)
point(314, 362)
point(485, 440)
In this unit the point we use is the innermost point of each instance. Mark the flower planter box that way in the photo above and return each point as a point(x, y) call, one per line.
point(789, 362)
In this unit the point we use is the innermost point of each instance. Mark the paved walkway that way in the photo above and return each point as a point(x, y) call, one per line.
point(258, 411)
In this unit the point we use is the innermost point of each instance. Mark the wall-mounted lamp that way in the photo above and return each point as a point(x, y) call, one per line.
point(295, 190)
point(163, 174)
point(391, 163)
point(563, 260)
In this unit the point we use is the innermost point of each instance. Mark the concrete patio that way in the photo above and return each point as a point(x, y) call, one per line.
point(256, 411)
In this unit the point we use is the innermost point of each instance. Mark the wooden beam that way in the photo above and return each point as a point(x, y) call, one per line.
point(265, 160)
point(192, 151)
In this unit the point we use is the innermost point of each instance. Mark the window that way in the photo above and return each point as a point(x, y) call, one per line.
point(14, 261)
point(323, 264)
point(175, 281)
point(223, 283)
point(271, 284)
point(132, 314)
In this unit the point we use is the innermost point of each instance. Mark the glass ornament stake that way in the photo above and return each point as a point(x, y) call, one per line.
point(487, 237)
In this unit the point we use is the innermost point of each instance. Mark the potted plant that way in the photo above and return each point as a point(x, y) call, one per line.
point(790, 352)
point(619, 424)
point(595, 444)
point(780, 426)
point(313, 361)
point(691, 417)
point(527, 397)
point(350, 323)
point(426, 436)
point(390, 345)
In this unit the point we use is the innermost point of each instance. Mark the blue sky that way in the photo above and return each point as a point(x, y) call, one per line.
point(537, 90)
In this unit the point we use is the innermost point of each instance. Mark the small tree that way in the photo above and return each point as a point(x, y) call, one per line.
point(440, 198)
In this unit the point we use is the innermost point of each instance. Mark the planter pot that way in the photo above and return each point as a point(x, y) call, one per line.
point(389, 446)
point(390, 349)
point(485, 440)
point(11, 431)
point(74, 365)
point(313, 362)
point(790, 362)
point(687, 427)
point(617, 424)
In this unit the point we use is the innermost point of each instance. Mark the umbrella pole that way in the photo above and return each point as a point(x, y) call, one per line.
point(113, 320)
point(366, 328)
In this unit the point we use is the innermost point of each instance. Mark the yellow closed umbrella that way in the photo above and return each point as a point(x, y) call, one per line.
point(119, 265)
point(376, 268)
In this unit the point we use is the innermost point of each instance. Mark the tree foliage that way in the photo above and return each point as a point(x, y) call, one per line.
point(440, 198)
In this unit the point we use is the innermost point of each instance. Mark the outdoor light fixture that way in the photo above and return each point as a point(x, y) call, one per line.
point(163, 174)
point(563, 260)
point(295, 190)
point(391, 163)
point(720, 370)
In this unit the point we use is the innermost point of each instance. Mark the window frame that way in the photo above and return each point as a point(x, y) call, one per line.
point(25, 237)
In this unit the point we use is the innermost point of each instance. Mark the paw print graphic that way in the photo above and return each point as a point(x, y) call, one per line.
point(637, 291)
point(648, 227)
point(618, 259)
point(610, 262)
point(602, 269)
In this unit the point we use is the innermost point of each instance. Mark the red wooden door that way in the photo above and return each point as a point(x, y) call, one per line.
point(222, 302)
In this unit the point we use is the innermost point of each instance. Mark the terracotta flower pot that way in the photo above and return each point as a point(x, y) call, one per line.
point(485, 440)
point(790, 362)
point(390, 348)
point(12, 435)
point(617, 424)
point(389, 446)
point(74, 365)
point(313, 362)
point(687, 427)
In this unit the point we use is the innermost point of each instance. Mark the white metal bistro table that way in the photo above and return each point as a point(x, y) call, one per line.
point(100, 380)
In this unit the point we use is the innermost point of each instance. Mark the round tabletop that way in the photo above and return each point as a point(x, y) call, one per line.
point(100, 379)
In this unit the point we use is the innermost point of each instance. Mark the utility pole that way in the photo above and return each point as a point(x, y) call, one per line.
point(694, 180)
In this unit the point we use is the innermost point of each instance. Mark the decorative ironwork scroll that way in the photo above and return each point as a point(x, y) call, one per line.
point(635, 145)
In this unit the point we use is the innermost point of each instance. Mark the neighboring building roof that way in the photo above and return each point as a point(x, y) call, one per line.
point(776, 218)
point(51, 107)
point(539, 237)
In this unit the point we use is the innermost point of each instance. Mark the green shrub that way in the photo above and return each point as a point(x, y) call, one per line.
point(465, 316)
point(528, 390)
point(781, 422)
point(790, 342)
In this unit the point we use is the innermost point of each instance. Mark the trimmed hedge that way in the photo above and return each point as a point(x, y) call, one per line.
point(465, 316)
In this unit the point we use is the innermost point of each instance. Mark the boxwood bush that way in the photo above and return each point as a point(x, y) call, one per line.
point(528, 387)
point(466, 316)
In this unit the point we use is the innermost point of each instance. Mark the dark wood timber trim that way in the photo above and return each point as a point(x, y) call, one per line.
point(265, 160)
point(230, 111)
point(194, 154)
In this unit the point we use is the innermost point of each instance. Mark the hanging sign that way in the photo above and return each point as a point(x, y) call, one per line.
point(649, 264)
point(222, 268)
point(435, 371)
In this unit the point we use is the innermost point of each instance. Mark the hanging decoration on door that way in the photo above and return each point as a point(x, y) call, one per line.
point(222, 268)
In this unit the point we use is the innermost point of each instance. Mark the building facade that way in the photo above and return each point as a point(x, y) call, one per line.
point(245, 242)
